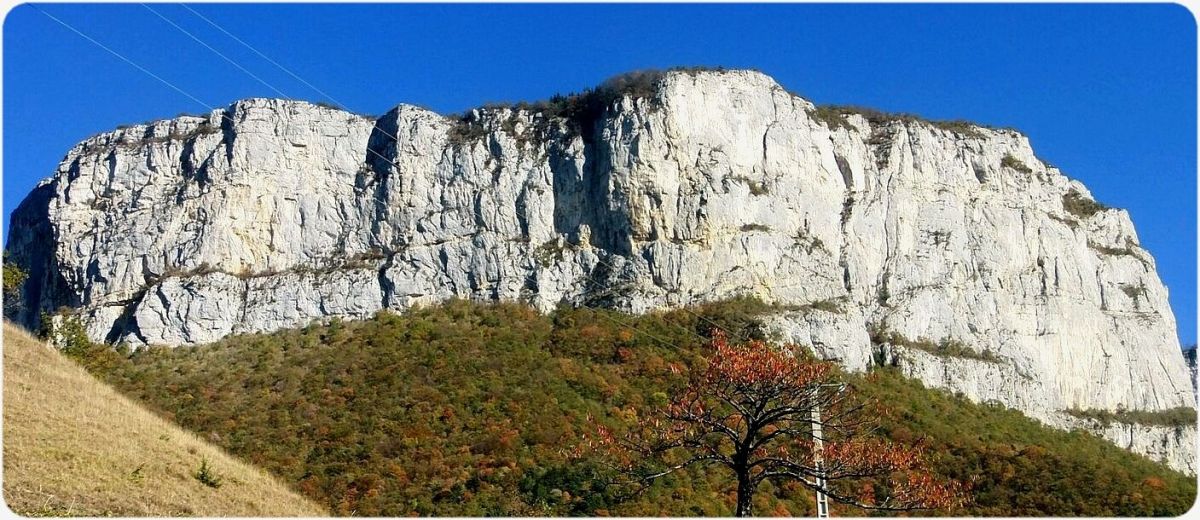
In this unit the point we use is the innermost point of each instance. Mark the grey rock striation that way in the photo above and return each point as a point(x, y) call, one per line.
point(877, 237)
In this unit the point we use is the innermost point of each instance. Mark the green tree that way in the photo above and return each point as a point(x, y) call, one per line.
point(14, 279)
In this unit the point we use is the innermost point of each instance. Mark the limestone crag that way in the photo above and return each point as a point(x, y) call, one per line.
point(877, 237)
point(1174, 445)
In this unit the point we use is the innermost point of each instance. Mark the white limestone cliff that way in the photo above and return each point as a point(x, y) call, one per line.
point(272, 213)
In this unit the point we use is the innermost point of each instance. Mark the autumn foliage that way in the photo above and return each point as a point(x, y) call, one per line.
point(769, 413)
point(467, 409)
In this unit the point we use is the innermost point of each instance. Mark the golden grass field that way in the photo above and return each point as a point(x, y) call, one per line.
point(73, 446)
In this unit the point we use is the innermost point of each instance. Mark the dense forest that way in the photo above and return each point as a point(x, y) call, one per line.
point(472, 409)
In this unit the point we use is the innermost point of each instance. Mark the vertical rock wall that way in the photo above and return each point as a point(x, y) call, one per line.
point(882, 235)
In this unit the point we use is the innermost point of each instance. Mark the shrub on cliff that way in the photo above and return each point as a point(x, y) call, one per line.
point(834, 117)
point(1076, 204)
point(1173, 417)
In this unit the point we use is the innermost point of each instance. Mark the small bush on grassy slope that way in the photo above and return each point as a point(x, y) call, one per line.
point(466, 409)
point(205, 475)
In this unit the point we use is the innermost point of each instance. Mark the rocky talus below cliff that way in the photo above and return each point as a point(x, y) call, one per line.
point(949, 249)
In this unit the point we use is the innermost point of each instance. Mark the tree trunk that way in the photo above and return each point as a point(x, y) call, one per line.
point(745, 495)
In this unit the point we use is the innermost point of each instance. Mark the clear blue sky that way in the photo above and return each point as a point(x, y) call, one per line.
point(1107, 93)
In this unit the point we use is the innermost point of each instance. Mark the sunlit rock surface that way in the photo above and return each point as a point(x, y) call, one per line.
point(272, 213)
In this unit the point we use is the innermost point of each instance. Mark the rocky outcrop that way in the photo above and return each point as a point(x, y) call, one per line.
point(1174, 445)
point(949, 249)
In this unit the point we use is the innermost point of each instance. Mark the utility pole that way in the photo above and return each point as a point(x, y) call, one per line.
point(819, 448)
point(818, 456)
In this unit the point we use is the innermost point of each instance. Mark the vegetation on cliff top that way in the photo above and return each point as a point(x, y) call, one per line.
point(468, 409)
point(582, 110)
point(834, 118)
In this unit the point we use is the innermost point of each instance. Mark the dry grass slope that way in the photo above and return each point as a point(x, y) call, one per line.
point(73, 446)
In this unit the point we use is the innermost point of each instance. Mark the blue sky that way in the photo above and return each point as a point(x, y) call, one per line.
point(1107, 93)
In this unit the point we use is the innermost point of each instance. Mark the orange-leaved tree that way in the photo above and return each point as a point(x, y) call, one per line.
point(771, 413)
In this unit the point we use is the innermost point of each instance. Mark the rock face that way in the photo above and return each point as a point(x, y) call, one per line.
point(1189, 357)
point(882, 239)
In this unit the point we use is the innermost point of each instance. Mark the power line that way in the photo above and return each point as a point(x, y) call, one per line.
point(263, 56)
point(255, 77)
point(215, 51)
point(122, 57)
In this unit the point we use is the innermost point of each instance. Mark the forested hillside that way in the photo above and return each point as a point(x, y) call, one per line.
point(470, 409)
